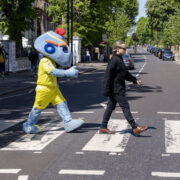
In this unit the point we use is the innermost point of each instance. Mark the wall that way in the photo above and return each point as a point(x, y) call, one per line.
point(176, 51)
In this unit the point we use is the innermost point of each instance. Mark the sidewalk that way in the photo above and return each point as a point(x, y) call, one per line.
point(177, 59)
point(18, 81)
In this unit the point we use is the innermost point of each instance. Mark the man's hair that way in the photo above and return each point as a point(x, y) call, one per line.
point(117, 45)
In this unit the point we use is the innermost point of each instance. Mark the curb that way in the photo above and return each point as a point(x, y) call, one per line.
point(20, 89)
point(177, 62)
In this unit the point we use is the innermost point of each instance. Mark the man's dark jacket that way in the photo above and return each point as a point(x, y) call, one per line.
point(115, 76)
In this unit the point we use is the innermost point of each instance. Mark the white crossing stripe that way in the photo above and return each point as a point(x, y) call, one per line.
point(110, 142)
point(82, 172)
point(37, 152)
point(103, 105)
point(170, 113)
point(165, 174)
point(112, 153)
point(79, 152)
point(23, 177)
point(133, 112)
point(165, 155)
point(83, 112)
point(9, 171)
point(172, 136)
point(47, 112)
point(31, 141)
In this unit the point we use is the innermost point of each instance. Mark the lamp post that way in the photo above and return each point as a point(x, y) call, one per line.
point(116, 24)
point(72, 26)
point(68, 22)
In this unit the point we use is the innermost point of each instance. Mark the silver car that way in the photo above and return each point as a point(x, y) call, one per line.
point(128, 61)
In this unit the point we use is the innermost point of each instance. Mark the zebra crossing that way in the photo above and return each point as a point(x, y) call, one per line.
point(98, 142)
point(113, 144)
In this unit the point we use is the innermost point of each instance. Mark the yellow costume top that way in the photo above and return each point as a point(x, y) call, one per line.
point(45, 67)
point(47, 90)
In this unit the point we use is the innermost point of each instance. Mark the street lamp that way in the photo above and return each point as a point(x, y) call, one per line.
point(68, 22)
point(68, 13)
point(116, 24)
point(72, 26)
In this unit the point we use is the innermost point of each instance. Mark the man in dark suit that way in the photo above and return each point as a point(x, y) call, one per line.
point(115, 89)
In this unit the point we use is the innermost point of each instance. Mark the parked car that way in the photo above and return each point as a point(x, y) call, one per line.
point(148, 48)
point(128, 61)
point(152, 49)
point(162, 51)
point(156, 51)
point(167, 56)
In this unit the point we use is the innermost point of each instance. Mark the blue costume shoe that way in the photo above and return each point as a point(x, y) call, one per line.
point(73, 125)
point(31, 129)
point(30, 126)
point(69, 124)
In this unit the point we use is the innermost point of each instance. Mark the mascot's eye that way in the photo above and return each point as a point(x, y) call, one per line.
point(65, 49)
point(49, 48)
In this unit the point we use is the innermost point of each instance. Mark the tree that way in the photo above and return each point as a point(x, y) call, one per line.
point(92, 18)
point(129, 41)
point(17, 17)
point(158, 13)
point(123, 25)
point(142, 31)
point(171, 33)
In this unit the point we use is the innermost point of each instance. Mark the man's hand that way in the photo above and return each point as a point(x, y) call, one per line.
point(138, 82)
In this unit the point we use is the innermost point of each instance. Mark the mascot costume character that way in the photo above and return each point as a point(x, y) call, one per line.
point(55, 50)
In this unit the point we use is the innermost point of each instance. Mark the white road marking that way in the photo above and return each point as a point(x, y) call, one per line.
point(84, 112)
point(112, 153)
point(79, 152)
point(103, 105)
point(120, 112)
point(172, 136)
point(37, 142)
point(23, 177)
point(46, 112)
point(9, 171)
point(171, 113)
point(165, 174)
point(82, 172)
point(142, 67)
point(5, 124)
point(165, 155)
point(37, 152)
point(107, 142)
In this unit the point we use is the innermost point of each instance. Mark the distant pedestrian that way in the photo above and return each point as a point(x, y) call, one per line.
point(102, 57)
point(34, 58)
point(115, 89)
point(88, 57)
point(3, 54)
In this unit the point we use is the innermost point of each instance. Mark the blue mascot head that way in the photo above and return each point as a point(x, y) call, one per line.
point(53, 45)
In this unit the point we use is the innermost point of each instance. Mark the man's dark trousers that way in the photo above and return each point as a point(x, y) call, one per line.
point(123, 103)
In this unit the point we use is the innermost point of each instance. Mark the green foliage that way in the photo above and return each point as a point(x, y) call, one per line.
point(16, 17)
point(143, 32)
point(161, 27)
point(159, 12)
point(92, 18)
point(171, 33)
point(129, 41)
point(163, 21)
point(123, 25)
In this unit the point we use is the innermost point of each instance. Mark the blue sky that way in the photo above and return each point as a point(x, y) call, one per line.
point(142, 10)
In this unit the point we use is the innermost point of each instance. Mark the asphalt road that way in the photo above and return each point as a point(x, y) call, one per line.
point(85, 154)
